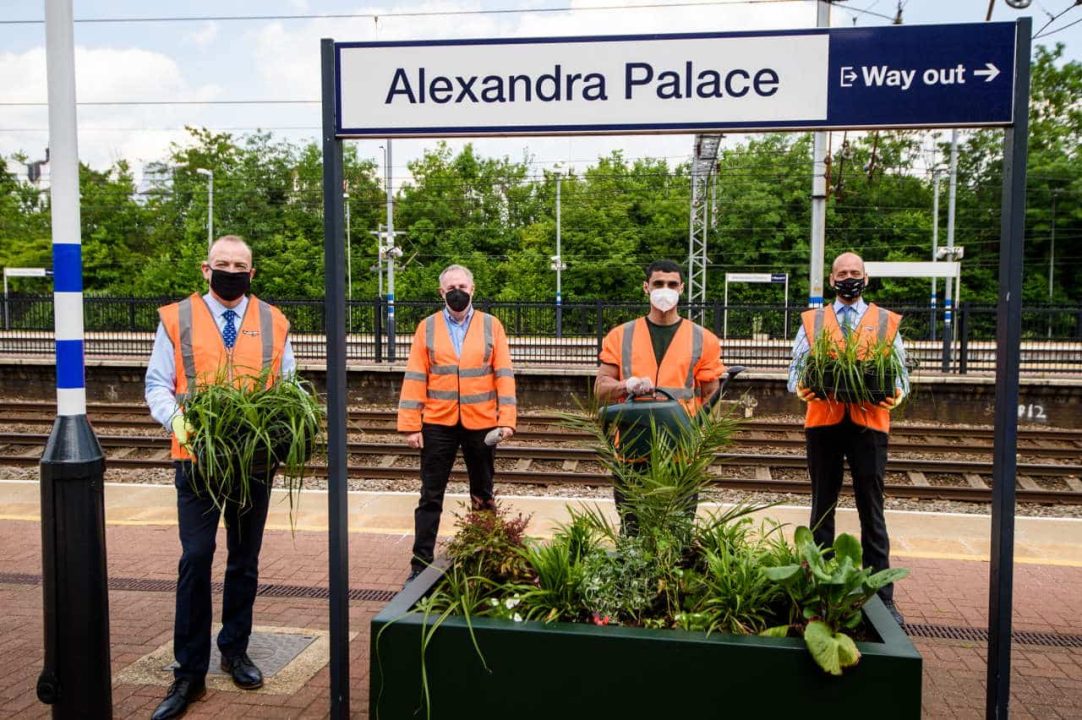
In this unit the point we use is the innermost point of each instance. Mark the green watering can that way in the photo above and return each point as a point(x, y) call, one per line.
point(635, 417)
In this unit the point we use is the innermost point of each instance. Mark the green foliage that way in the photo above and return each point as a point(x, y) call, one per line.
point(491, 541)
point(850, 371)
point(244, 427)
point(828, 593)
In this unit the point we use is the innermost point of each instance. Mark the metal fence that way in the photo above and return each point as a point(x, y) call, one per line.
point(759, 336)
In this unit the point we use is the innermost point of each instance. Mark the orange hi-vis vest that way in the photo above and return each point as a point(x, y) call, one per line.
point(200, 353)
point(876, 325)
point(442, 388)
point(692, 359)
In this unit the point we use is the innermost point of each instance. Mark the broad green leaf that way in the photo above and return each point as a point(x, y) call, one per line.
point(803, 536)
point(847, 546)
point(885, 577)
point(781, 573)
point(778, 631)
point(832, 651)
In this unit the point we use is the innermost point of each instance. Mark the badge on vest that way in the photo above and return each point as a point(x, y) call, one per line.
point(249, 332)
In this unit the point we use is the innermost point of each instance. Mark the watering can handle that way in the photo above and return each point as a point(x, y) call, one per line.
point(730, 375)
point(657, 391)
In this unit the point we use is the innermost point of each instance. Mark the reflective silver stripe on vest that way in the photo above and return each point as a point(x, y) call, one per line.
point(411, 405)
point(884, 319)
point(505, 400)
point(477, 398)
point(680, 393)
point(430, 339)
point(266, 332)
point(696, 354)
point(443, 369)
point(625, 349)
point(818, 326)
point(187, 350)
point(181, 397)
point(476, 372)
point(505, 372)
point(415, 376)
point(443, 394)
point(488, 338)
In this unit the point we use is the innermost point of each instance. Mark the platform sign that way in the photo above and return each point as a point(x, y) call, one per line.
point(899, 76)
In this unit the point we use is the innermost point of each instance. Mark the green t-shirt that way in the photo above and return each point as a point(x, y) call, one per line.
point(661, 337)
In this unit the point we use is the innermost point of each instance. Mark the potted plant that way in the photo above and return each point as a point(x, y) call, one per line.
point(850, 371)
point(691, 617)
point(244, 428)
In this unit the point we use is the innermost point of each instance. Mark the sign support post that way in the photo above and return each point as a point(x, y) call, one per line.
point(334, 305)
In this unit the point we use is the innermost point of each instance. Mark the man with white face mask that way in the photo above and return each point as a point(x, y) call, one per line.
point(661, 350)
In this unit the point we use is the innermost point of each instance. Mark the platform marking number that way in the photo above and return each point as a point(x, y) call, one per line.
point(1032, 411)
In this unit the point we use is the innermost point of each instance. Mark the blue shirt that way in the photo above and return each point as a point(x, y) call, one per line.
point(457, 329)
point(801, 347)
point(161, 379)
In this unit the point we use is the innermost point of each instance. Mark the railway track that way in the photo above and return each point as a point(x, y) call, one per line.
point(920, 478)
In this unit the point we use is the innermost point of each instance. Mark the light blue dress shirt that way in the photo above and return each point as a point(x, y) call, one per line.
point(458, 329)
point(161, 379)
point(801, 347)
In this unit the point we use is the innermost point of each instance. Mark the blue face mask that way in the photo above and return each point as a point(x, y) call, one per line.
point(850, 288)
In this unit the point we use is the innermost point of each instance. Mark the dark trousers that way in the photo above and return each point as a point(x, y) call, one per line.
point(198, 521)
point(441, 444)
point(866, 450)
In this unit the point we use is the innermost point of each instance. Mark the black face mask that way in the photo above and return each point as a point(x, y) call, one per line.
point(850, 288)
point(229, 285)
point(457, 300)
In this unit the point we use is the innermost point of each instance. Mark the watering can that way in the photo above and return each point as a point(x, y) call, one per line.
point(636, 417)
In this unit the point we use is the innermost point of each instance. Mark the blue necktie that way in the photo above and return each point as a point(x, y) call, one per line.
point(229, 332)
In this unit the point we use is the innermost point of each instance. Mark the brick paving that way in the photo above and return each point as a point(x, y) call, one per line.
point(1046, 682)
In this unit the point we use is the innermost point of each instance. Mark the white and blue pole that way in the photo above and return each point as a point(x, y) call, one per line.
point(76, 678)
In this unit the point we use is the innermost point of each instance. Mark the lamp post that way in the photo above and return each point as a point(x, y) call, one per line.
point(558, 259)
point(1052, 260)
point(209, 174)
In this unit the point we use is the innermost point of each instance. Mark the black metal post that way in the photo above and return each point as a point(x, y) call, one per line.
point(1008, 358)
point(76, 679)
point(334, 303)
point(600, 326)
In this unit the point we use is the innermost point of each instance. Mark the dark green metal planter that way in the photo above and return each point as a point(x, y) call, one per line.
point(571, 670)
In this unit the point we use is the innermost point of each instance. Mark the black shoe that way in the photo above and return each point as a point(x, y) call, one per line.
point(894, 612)
point(243, 671)
point(414, 572)
point(181, 692)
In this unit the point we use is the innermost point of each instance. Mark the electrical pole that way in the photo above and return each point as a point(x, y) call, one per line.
point(390, 253)
point(558, 265)
point(935, 242)
point(948, 319)
point(818, 193)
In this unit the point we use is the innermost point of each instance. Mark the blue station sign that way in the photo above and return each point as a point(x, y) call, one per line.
point(888, 77)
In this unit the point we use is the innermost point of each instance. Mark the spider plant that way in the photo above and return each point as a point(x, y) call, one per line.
point(245, 428)
point(850, 371)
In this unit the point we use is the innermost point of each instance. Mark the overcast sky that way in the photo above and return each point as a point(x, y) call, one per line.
point(278, 59)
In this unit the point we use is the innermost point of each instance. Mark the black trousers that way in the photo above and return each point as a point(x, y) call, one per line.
point(441, 444)
point(198, 521)
point(866, 450)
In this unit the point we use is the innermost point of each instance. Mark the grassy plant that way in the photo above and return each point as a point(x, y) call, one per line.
point(850, 371)
point(245, 428)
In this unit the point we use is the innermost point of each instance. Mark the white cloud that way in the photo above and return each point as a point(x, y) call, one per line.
point(106, 132)
point(205, 35)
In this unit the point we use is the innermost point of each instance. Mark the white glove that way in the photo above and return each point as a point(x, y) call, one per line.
point(639, 386)
point(494, 437)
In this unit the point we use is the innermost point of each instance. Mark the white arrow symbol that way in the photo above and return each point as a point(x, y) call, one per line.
point(991, 72)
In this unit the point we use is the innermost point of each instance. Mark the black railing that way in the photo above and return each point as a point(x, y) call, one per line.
point(755, 335)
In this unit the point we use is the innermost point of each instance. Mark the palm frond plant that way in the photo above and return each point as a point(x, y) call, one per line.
point(243, 429)
point(849, 371)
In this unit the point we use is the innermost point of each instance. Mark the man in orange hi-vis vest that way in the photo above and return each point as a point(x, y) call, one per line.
point(859, 433)
point(661, 350)
point(458, 391)
point(200, 338)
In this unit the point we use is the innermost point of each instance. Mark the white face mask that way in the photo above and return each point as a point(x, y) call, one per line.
point(664, 299)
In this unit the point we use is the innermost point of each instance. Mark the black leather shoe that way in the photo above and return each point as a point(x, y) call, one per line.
point(895, 614)
point(414, 572)
point(175, 704)
point(243, 671)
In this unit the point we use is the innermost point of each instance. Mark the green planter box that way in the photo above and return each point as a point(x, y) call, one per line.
point(571, 670)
